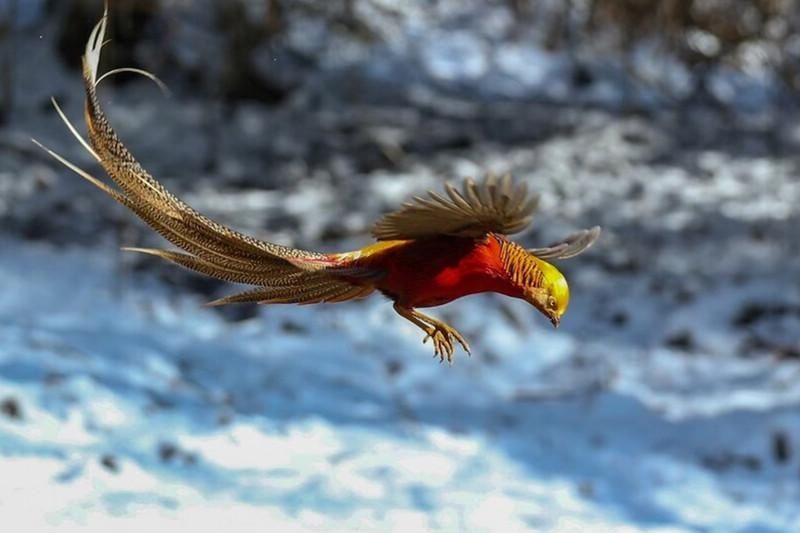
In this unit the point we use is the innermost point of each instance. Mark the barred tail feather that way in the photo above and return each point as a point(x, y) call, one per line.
point(264, 275)
point(303, 292)
point(285, 275)
point(170, 211)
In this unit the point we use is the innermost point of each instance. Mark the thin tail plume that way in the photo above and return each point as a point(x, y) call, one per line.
point(285, 275)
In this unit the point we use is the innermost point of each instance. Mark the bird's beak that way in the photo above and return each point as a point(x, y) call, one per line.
point(556, 320)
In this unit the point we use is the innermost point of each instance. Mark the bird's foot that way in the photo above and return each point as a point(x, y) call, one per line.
point(444, 338)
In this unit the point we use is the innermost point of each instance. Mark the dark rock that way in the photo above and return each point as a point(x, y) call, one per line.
point(582, 77)
point(167, 452)
point(110, 463)
point(756, 311)
point(619, 318)
point(170, 453)
point(394, 367)
point(681, 340)
point(781, 447)
point(10, 407)
point(290, 326)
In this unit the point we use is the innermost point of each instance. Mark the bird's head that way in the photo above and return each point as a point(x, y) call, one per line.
point(540, 283)
point(551, 295)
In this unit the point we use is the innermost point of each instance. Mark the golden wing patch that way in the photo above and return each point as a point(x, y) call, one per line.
point(494, 206)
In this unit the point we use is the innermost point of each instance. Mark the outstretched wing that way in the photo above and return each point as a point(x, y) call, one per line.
point(571, 246)
point(494, 206)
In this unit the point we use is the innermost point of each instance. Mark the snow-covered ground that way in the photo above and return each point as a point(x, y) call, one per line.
point(128, 406)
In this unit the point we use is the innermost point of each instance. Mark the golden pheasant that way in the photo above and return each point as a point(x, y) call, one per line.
point(431, 251)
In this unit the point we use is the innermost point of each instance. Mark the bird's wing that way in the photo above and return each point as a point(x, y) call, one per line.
point(571, 246)
point(496, 205)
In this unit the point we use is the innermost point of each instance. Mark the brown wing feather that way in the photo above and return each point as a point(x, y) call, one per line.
point(571, 246)
point(494, 206)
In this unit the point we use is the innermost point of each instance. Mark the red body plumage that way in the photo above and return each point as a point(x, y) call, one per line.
point(431, 272)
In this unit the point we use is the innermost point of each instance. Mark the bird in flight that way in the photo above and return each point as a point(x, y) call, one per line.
point(431, 251)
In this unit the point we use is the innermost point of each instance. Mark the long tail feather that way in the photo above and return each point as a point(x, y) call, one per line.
point(263, 276)
point(330, 292)
point(283, 274)
point(138, 184)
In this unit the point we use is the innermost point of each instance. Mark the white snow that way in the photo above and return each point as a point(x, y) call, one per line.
point(141, 410)
point(256, 425)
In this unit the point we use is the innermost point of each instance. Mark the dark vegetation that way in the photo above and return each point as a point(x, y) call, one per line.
point(704, 35)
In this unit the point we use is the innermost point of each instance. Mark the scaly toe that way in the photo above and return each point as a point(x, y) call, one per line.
point(443, 340)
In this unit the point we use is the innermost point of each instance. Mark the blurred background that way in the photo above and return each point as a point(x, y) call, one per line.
point(667, 400)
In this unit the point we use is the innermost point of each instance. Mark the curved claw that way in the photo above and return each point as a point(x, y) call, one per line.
point(443, 336)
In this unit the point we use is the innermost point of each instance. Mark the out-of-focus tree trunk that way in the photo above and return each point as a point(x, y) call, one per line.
point(7, 61)
point(240, 79)
point(127, 28)
point(276, 18)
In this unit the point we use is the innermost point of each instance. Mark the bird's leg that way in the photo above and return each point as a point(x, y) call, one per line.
point(443, 335)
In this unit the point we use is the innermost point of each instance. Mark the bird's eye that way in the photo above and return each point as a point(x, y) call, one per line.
point(551, 303)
